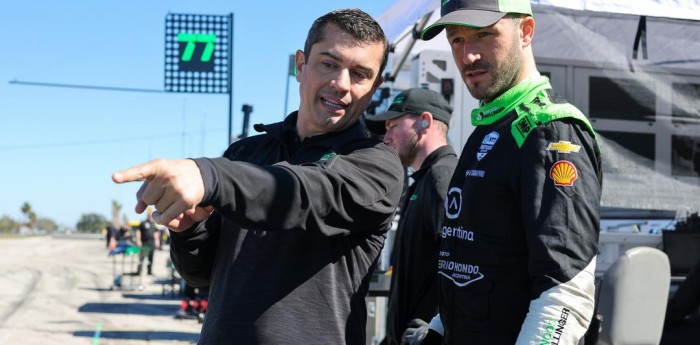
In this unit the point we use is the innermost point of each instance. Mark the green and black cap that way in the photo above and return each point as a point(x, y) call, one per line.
point(474, 13)
point(412, 101)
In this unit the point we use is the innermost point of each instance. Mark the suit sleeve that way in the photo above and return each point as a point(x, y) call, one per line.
point(357, 191)
point(560, 183)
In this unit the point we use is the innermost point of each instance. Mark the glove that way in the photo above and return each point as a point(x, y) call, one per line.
point(418, 333)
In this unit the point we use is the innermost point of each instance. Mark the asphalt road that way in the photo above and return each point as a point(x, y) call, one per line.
point(60, 291)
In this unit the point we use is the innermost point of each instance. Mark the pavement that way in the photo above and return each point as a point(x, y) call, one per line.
point(61, 291)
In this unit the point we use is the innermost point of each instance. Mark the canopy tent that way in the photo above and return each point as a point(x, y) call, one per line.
point(633, 66)
point(404, 13)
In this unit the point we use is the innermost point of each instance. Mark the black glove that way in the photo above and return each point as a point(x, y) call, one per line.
point(418, 333)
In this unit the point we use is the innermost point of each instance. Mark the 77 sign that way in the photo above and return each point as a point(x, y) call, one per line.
point(197, 53)
point(199, 46)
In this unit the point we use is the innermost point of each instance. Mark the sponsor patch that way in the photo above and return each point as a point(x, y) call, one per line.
point(487, 144)
point(414, 197)
point(475, 173)
point(555, 329)
point(563, 147)
point(563, 173)
point(460, 274)
point(453, 203)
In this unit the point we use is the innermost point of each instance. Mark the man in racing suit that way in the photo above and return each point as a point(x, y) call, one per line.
point(520, 235)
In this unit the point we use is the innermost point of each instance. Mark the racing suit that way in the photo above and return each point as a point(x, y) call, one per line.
point(519, 241)
point(296, 230)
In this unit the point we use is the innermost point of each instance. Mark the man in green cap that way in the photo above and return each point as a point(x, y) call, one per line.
point(519, 241)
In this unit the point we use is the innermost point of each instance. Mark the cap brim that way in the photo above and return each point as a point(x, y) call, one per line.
point(375, 123)
point(472, 18)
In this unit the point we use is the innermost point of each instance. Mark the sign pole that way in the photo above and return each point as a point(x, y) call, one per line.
point(230, 79)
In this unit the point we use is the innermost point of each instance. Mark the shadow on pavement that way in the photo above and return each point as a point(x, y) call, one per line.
point(141, 335)
point(130, 308)
point(157, 297)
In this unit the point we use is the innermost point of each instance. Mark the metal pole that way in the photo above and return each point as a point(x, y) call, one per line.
point(291, 71)
point(286, 99)
point(230, 79)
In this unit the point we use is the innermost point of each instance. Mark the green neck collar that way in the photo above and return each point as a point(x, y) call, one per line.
point(503, 104)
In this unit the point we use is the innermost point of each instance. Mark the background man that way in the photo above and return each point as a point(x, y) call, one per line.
point(286, 226)
point(517, 266)
point(416, 125)
point(148, 240)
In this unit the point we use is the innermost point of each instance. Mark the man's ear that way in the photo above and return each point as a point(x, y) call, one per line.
point(527, 31)
point(426, 120)
point(300, 62)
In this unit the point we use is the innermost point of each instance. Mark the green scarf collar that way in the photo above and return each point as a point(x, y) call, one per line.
point(503, 104)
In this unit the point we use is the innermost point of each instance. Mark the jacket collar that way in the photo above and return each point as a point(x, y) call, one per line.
point(432, 158)
point(287, 128)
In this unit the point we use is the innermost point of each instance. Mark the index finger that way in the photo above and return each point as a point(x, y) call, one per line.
point(141, 172)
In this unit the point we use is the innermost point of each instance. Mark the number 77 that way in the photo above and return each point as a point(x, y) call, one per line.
point(191, 39)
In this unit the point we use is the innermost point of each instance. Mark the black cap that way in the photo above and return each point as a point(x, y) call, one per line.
point(412, 101)
point(474, 13)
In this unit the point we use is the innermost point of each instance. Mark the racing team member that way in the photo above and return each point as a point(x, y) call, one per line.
point(416, 125)
point(520, 236)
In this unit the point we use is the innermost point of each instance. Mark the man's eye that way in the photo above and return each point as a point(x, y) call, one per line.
point(483, 34)
point(328, 65)
point(360, 75)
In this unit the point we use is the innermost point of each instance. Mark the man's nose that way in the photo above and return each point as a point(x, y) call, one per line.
point(470, 54)
point(342, 81)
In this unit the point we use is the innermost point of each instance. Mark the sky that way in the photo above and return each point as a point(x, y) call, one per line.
point(60, 145)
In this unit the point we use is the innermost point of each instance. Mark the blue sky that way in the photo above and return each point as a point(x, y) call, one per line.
point(59, 146)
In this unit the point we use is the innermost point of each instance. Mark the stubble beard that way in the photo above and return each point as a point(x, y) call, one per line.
point(504, 76)
point(409, 153)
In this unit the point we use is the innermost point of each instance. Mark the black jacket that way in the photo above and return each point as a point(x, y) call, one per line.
point(414, 289)
point(297, 227)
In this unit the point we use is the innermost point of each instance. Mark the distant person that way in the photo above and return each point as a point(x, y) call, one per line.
point(111, 235)
point(148, 239)
point(520, 238)
point(416, 125)
point(286, 227)
point(125, 233)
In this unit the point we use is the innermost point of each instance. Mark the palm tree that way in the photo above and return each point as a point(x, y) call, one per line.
point(29, 213)
point(116, 208)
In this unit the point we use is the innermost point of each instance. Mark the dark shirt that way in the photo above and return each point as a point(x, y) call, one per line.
point(147, 228)
point(414, 291)
point(297, 228)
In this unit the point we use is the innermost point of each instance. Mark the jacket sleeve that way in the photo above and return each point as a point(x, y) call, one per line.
point(560, 183)
point(192, 251)
point(357, 191)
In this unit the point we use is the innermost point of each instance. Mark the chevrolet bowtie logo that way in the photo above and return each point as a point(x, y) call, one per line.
point(563, 147)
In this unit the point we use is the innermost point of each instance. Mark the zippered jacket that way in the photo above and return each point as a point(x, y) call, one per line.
point(296, 229)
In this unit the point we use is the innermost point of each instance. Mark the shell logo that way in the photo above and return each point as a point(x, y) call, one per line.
point(563, 173)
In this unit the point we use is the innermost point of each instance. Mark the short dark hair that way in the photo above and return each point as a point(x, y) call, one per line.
point(355, 22)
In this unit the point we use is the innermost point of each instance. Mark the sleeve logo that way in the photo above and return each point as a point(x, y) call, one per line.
point(563, 147)
point(563, 173)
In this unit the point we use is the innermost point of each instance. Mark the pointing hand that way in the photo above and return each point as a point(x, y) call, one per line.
point(174, 187)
